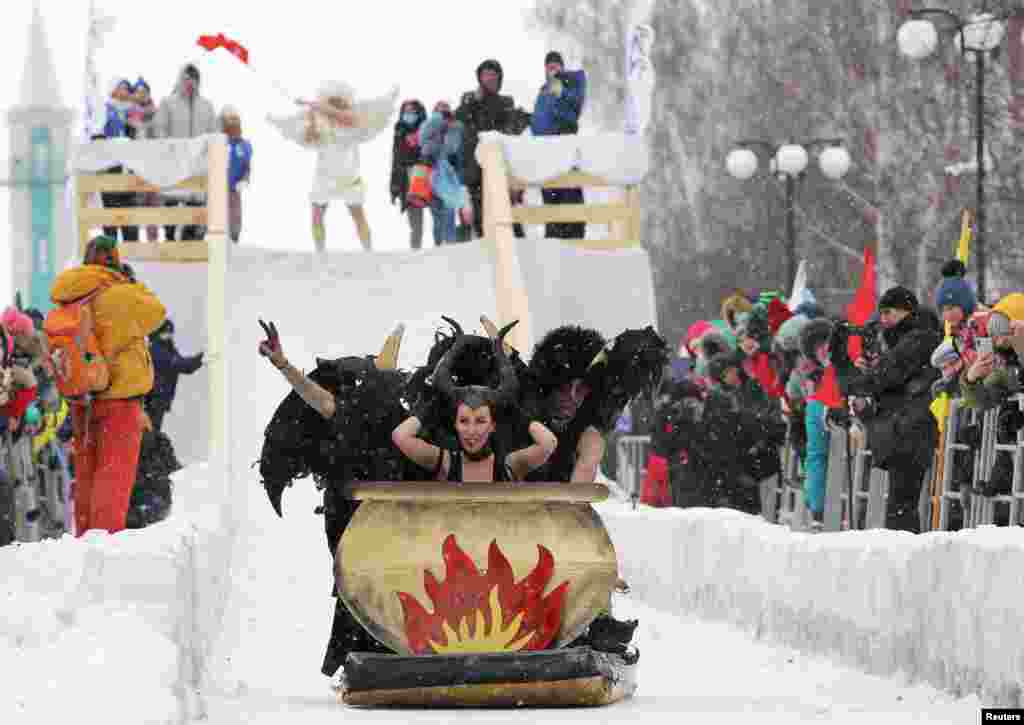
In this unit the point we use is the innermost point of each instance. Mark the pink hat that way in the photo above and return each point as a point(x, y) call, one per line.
point(16, 322)
point(696, 331)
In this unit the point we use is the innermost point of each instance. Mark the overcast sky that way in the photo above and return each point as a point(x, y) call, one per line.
point(430, 50)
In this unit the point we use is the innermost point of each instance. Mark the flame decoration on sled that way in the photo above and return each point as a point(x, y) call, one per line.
point(484, 612)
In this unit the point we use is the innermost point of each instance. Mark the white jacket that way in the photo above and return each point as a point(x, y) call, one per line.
point(337, 175)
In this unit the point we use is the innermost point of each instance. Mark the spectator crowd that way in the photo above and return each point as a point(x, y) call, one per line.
point(433, 162)
point(770, 374)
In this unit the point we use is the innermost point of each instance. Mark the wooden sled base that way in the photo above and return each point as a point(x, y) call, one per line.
point(576, 677)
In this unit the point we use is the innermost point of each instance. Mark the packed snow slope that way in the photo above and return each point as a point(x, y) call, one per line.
point(347, 303)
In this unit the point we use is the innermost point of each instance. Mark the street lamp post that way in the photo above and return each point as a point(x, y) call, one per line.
point(789, 165)
point(979, 34)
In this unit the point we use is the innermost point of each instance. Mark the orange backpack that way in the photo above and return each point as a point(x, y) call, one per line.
point(80, 368)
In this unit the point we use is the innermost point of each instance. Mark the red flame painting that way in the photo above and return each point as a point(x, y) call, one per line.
point(468, 603)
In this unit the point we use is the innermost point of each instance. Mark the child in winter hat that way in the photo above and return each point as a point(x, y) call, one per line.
point(955, 298)
point(948, 360)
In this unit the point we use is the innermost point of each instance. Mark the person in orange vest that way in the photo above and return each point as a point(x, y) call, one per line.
point(107, 432)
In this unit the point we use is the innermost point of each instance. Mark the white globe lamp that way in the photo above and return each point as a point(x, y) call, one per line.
point(834, 162)
point(981, 32)
point(917, 39)
point(791, 159)
point(741, 163)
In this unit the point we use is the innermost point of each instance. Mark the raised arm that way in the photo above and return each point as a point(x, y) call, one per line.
point(423, 454)
point(316, 397)
point(589, 453)
point(526, 459)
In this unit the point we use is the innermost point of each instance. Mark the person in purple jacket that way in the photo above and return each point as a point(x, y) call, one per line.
point(239, 168)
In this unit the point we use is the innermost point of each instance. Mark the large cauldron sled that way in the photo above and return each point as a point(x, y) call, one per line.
point(479, 588)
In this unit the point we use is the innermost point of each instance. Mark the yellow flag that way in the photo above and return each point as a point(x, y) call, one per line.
point(963, 247)
point(940, 406)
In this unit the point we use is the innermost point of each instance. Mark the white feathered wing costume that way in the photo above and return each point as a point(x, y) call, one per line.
point(337, 175)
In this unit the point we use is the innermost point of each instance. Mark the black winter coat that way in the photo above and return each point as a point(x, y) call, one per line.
point(492, 112)
point(902, 428)
point(404, 158)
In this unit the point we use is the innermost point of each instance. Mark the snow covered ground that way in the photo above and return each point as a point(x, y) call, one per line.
point(115, 629)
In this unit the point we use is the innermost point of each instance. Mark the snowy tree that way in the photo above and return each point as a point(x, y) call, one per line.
point(788, 69)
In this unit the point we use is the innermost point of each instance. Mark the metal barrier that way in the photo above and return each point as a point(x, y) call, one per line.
point(783, 496)
point(631, 460)
point(39, 491)
point(25, 479)
point(952, 491)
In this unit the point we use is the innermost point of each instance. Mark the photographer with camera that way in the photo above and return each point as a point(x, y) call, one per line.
point(890, 393)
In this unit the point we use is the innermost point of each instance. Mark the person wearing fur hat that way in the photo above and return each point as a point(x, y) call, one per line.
point(335, 125)
point(108, 430)
point(579, 385)
point(239, 168)
point(485, 109)
point(947, 360)
point(891, 395)
point(733, 305)
point(405, 153)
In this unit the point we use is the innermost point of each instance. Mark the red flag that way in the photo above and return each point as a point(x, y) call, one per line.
point(828, 390)
point(212, 42)
point(859, 311)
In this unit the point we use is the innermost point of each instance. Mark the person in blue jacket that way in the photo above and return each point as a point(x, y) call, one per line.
point(168, 365)
point(557, 112)
point(239, 168)
point(442, 138)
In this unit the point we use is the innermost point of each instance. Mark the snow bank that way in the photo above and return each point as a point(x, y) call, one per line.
point(944, 608)
point(96, 622)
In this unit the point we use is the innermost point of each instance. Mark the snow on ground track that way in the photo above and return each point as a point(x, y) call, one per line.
point(281, 613)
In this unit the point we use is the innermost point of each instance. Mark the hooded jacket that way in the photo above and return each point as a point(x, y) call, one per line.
point(403, 155)
point(125, 314)
point(489, 112)
point(179, 116)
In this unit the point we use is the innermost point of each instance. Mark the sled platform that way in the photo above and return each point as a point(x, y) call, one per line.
point(573, 677)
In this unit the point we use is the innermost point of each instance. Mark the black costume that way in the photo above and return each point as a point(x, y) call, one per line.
point(354, 445)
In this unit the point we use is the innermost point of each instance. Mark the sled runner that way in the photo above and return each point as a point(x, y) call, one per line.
point(482, 591)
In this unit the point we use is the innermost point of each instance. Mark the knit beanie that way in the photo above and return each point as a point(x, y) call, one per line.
point(898, 298)
point(813, 334)
point(17, 322)
point(954, 289)
point(944, 355)
point(102, 250)
point(554, 57)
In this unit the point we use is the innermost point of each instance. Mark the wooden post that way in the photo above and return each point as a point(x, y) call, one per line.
point(512, 300)
point(83, 226)
point(217, 241)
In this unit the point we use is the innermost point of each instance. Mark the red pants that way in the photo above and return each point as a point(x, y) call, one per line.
point(106, 459)
point(654, 491)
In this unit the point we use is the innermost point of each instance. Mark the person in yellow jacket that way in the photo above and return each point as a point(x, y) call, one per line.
point(107, 438)
point(995, 374)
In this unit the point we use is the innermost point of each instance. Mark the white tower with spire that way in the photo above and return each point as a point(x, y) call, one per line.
point(41, 234)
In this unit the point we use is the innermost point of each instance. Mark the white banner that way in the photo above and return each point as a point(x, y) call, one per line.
point(640, 78)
